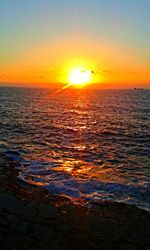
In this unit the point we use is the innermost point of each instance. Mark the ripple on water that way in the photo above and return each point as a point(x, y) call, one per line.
point(82, 144)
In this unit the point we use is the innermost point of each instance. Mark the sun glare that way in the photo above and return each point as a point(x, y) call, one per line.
point(80, 76)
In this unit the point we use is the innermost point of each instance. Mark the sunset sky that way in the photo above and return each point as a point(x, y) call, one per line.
point(41, 41)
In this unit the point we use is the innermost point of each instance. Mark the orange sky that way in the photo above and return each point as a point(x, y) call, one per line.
point(44, 57)
point(47, 63)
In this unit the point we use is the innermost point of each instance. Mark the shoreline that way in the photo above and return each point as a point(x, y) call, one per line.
point(32, 219)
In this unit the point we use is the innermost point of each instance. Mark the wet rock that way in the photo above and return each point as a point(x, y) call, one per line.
point(9, 202)
point(30, 219)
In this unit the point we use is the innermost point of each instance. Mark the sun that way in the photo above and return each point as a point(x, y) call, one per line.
point(79, 76)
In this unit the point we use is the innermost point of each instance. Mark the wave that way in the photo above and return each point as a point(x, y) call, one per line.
point(59, 182)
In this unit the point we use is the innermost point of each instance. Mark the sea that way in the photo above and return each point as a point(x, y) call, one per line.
point(86, 145)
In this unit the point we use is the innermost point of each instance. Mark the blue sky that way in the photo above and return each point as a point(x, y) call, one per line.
point(24, 23)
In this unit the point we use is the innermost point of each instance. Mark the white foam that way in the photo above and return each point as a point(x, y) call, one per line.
point(59, 182)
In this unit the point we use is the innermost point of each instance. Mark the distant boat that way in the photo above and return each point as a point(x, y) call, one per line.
point(138, 89)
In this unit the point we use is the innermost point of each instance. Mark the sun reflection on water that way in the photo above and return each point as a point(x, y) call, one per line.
point(78, 142)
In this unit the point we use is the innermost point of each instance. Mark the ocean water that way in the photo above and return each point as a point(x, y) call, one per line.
point(88, 145)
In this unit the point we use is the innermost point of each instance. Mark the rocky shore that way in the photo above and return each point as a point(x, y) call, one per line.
point(31, 219)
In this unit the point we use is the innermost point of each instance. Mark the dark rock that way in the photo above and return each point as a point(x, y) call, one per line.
point(30, 219)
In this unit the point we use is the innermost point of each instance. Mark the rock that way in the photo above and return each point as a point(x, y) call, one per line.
point(30, 219)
